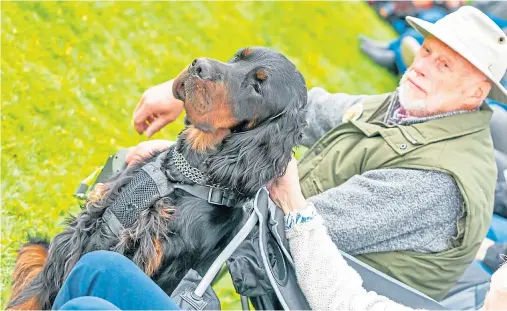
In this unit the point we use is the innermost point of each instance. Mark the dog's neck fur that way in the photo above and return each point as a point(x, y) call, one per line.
point(195, 156)
point(202, 159)
point(195, 151)
point(241, 160)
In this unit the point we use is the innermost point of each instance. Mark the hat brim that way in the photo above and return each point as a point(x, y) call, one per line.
point(498, 92)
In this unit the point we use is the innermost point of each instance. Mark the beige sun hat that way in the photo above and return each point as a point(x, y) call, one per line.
point(477, 38)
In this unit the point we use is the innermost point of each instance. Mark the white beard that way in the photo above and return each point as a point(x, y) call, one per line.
point(407, 102)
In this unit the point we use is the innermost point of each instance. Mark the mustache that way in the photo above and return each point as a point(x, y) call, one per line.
point(406, 76)
point(410, 76)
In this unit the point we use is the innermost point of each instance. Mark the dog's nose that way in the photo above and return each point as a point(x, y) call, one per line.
point(202, 68)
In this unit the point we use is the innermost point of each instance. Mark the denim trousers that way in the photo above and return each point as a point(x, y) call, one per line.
point(103, 280)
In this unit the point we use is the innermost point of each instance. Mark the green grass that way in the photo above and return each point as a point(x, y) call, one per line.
point(72, 73)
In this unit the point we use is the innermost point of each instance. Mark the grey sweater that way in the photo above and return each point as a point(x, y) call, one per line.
point(383, 209)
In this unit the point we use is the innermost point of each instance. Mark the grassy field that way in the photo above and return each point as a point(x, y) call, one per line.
point(72, 73)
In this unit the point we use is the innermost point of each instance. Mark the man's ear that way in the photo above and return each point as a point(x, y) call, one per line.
point(481, 91)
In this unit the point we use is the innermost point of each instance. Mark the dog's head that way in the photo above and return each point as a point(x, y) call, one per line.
point(247, 114)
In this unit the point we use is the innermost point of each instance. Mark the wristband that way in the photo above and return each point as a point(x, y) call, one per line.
point(298, 217)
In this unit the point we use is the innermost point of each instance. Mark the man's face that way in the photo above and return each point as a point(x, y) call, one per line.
point(440, 80)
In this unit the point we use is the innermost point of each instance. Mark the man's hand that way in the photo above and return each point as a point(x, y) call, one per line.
point(146, 150)
point(156, 109)
point(286, 191)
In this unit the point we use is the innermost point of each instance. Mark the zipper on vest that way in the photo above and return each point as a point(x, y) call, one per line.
point(407, 135)
point(410, 138)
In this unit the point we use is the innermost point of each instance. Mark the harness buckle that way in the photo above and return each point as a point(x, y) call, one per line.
point(216, 197)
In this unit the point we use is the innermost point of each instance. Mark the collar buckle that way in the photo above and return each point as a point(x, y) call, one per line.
point(216, 196)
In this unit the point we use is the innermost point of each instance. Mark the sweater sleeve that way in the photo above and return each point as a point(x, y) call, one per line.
point(325, 112)
point(392, 209)
point(325, 278)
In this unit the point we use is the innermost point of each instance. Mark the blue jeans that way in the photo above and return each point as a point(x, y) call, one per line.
point(104, 280)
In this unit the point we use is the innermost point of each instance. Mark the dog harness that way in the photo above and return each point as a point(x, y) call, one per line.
point(151, 183)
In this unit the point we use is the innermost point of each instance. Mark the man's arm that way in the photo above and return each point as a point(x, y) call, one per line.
point(325, 112)
point(385, 209)
point(392, 209)
point(326, 279)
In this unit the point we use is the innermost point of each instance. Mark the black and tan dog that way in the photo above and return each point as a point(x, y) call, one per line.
point(243, 119)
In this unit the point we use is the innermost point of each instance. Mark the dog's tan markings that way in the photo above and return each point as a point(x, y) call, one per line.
point(29, 264)
point(215, 110)
point(154, 262)
point(201, 141)
point(97, 194)
point(221, 114)
point(30, 304)
point(166, 212)
point(261, 75)
point(252, 123)
point(247, 51)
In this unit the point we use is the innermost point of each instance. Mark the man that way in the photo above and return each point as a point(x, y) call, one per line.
point(404, 180)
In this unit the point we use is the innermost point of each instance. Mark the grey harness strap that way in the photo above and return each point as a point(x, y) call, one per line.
point(150, 184)
point(112, 222)
point(146, 187)
point(213, 195)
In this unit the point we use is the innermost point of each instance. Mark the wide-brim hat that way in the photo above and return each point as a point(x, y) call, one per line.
point(477, 38)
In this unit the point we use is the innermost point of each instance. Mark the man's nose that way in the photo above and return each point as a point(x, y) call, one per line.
point(420, 66)
point(203, 68)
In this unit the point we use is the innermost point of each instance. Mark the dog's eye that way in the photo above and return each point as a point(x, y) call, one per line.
point(235, 58)
point(257, 88)
point(261, 75)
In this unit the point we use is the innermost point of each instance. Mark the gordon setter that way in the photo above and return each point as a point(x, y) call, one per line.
point(243, 118)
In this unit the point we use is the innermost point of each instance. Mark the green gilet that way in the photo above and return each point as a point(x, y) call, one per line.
point(459, 145)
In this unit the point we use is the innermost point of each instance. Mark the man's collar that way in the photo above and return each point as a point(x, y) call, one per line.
point(436, 129)
point(397, 115)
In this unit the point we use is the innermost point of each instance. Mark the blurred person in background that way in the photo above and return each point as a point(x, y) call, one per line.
point(398, 54)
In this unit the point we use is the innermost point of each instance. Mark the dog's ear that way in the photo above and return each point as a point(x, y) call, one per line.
point(248, 160)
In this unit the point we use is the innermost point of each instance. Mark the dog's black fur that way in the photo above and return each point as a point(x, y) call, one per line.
point(243, 119)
